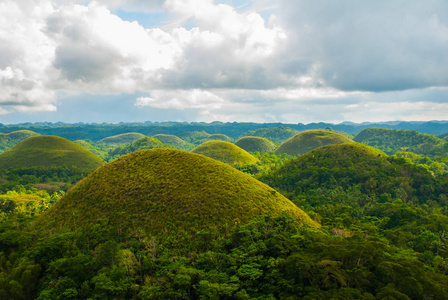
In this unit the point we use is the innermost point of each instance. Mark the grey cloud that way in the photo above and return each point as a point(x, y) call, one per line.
point(369, 45)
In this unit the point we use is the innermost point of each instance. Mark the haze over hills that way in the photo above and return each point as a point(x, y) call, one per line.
point(225, 152)
point(311, 139)
point(161, 190)
point(48, 151)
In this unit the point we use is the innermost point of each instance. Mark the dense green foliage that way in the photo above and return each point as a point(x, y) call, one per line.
point(392, 140)
point(256, 144)
point(225, 152)
point(276, 134)
point(437, 167)
point(48, 151)
point(8, 140)
point(195, 137)
point(165, 189)
point(308, 140)
point(124, 138)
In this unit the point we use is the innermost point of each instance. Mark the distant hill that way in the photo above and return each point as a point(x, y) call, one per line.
point(124, 138)
point(359, 171)
point(48, 151)
point(162, 190)
point(144, 143)
point(393, 140)
point(276, 134)
point(225, 152)
point(194, 137)
point(220, 137)
point(256, 144)
point(306, 141)
point(7, 140)
point(174, 141)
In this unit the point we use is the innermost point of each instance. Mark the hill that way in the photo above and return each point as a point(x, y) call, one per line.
point(48, 151)
point(7, 140)
point(255, 144)
point(276, 134)
point(306, 141)
point(353, 168)
point(124, 138)
point(173, 140)
point(144, 143)
point(219, 137)
point(394, 140)
point(225, 152)
point(160, 190)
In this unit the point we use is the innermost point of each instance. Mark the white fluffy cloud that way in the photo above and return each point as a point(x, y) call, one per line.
point(229, 63)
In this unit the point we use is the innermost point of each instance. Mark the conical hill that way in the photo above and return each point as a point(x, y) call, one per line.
point(225, 152)
point(124, 138)
point(173, 140)
point(48, 151)
point(353, 167)
point(306, 141)
point(166, 189)
point(255, 144)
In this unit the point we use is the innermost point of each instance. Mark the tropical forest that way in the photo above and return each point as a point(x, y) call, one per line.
point(177, 210)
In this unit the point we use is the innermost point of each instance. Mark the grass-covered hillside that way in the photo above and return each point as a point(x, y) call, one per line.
point(144, 143)
point(394, 140)
point(225, 152)
point(165, 189)
point(311, 139)
point(124, 138)
point(357, 172)
point(48, 151)
point(174, 141)
point(194, 137)
point(255, 144)
point(276, 134)
point(7, 140)
point(219, 137)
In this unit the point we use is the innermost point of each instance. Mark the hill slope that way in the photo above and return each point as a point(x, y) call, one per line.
point(225, 152)
point(7, 140)
point(124, 138)
point(393, 140)
point(276, 134)
point(255, 144)
point(311, 139)
point(163, 189)
point(48, 151)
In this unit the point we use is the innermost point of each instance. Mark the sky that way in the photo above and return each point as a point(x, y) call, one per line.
point(290, 61)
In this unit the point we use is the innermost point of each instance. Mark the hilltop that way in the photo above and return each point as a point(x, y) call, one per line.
point(160, 190)
point(147, 142)
point(394, 140)
point(7, 140)
point(174, 141)
point(225, 152)
point(255, 144)
point(306, 141)
point(353, 168)
point(124, 138)
point(48, 151)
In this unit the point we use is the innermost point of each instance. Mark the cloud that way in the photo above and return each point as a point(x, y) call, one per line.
point(368, 45)
point(182, 99)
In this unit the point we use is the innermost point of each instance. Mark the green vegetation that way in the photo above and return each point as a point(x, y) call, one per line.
point(124, 138)
point(195, 137)
point(393, 140)
point(147, 142)
point(8, 140)
point(308, 140)
point(436, 167)
point(276, 134)
point(174, 141)
point(48, 151)
point(161, 190)
point(219, 137)
point(225, 152)
point(255, 144)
